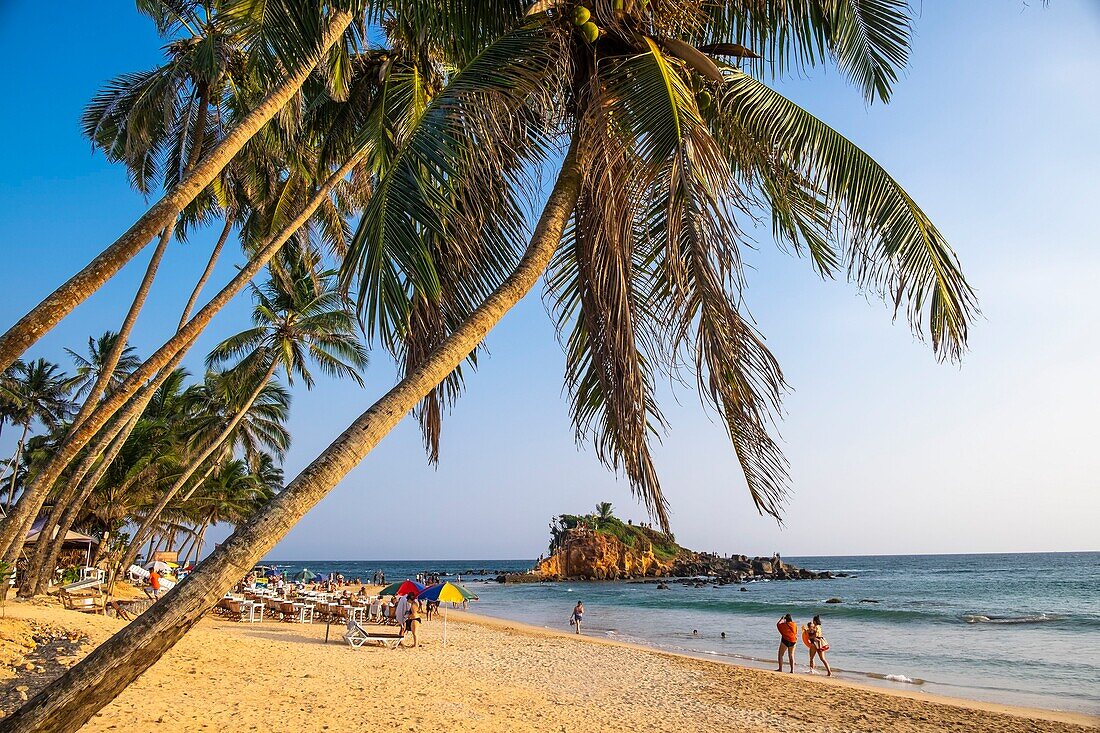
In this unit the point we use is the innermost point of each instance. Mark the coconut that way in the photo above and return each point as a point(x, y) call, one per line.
point(590, 31)
point(581, 15)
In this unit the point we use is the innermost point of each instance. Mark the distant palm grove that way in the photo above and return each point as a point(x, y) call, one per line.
point(395, 176)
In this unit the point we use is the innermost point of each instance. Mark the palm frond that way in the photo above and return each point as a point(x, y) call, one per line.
point(890, 243)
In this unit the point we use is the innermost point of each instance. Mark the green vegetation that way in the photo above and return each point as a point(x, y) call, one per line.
point(197, 455)
point(603, 521)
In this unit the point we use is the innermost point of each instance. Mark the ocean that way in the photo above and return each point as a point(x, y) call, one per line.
point(1021, 629)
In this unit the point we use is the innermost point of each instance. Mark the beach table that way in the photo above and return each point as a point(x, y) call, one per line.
point(255, 611)
point(305, 612)
point(359, 614)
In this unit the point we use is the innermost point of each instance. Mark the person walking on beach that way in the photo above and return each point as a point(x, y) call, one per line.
point(788, 637)
point(412, 621)
point(154, 583)
point(578, 615)
point(815, 640)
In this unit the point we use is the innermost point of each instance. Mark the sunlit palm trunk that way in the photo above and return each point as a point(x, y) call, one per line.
point(15, 465)
point(108, 367)
point(76, 696)
point(193, 465)
point(162, 214)
point(72, 498)
point(36, 492)
point(207, 272)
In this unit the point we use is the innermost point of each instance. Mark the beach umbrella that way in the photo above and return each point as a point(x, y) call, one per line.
point(158, 565)
point(446, 592)
point(403, 588)
point(305, 575)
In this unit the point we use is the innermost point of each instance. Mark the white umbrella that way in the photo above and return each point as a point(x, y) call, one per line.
point(158, 565)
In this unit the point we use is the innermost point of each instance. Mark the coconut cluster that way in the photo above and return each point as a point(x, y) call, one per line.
point(582, 19)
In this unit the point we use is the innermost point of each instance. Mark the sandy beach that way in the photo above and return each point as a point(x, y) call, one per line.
point(493, 676)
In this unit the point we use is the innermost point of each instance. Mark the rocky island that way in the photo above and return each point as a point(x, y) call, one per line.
point(600, 546)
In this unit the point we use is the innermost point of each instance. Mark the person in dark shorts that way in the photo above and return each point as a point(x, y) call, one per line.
point(412, 620)
point(788, 637)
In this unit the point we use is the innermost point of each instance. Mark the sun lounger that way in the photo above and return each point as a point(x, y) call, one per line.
point(357, 636)
point(79, 602)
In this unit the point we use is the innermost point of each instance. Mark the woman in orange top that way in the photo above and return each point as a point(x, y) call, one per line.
point(788, 637)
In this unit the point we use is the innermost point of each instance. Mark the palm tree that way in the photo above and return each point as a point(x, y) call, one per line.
point(668, 145)
point(96, 365)
point(311, 321)
point(229, 410)
point(148, 442)
point(122, 404)
point(9, 400)
point(297, 33)
point(603, 512)
point(39, 391)
point(156, 367)
point(232, 494)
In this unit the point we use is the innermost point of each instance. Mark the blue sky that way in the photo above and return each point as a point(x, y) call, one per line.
point(992, 129)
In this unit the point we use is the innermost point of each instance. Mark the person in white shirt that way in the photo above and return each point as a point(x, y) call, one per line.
point(401, 612)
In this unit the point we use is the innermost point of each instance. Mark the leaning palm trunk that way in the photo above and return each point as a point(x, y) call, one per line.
point(63, 515)
point(162, 214)
point(71, 700)
point(27, 509)
point(200, 540)
point(148, 530)
point(194, 463)
point(15, 465)
point(109, 440)
point(71, 500)
point(207, 272)
point(107, 369)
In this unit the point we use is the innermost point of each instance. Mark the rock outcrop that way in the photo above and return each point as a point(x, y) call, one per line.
point(591, 555)
point(583, 553)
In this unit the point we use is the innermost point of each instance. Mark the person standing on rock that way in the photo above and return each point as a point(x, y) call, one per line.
point(578, 615)
point(788, 637)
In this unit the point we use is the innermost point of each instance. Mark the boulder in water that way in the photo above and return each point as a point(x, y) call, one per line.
point(834, 600)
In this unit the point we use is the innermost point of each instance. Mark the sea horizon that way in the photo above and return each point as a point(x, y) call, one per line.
point(520, 559)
